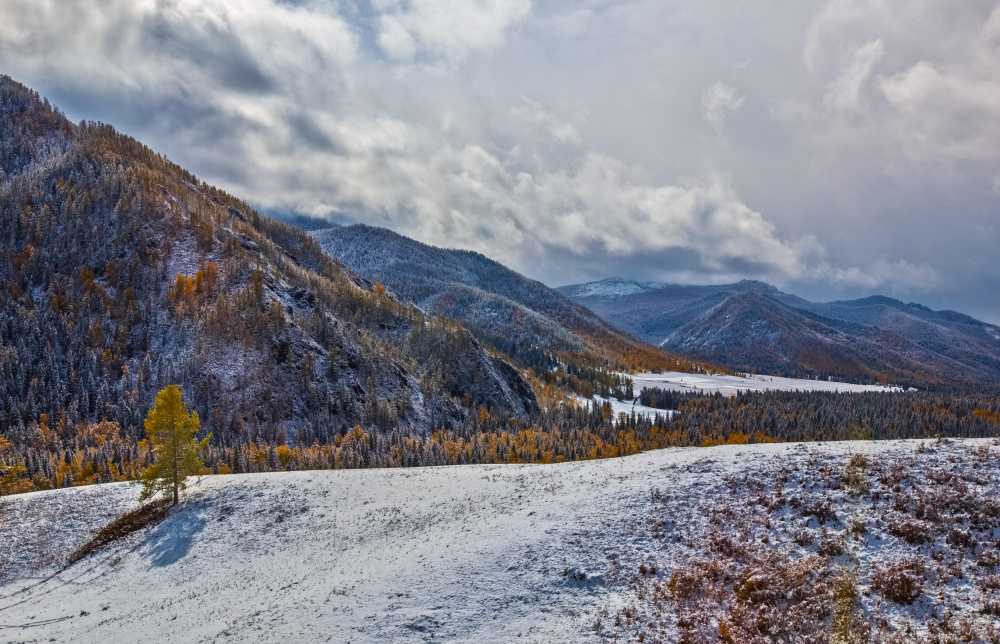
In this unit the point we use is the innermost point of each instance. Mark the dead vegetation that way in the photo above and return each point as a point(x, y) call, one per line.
point(848, 549)
point(147, 515)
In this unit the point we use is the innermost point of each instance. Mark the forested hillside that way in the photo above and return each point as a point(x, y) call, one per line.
point(122, 273)
point(530, 323)
point(751, 326)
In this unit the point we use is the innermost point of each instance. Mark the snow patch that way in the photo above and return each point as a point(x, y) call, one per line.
point(630, 407)
point(730, 385)
point(612, 288)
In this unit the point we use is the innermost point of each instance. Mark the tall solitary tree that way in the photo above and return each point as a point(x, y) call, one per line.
point(171, 433)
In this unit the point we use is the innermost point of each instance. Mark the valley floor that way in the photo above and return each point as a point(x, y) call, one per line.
point(513, 553)
point(730, 385)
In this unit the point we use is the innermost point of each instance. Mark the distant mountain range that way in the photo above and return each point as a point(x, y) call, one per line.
point(752, 326)
point(499, 305)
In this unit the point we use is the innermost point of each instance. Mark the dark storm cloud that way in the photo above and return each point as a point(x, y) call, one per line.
point(308, 133)
point(832, 147)
point(215, 48)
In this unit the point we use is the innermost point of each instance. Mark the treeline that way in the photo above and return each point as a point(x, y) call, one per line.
point(661, 398)
point(819, 416)
point(557, 433)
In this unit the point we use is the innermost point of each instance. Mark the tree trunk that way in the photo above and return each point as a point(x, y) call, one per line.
point(174, 440)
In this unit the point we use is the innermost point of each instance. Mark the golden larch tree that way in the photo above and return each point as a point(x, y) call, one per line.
point(171, 433)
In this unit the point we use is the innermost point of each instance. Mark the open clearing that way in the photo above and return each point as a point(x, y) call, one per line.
point(726, 385)
point(496, 553)
point(730, 385)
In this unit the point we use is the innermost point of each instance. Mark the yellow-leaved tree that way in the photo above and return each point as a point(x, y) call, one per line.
point(171, 433)
point(10, 480)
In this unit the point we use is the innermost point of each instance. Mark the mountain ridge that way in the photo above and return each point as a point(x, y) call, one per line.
point(753, 326)
point(502, 307)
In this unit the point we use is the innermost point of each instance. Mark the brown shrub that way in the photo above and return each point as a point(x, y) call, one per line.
point(901, 582)
point(991, 608)
point(959, 538)
point(822, 509)
point(830, 545)
point(147, 515)
point(855, 479)
point(988, 559)
point(858, 462)
point(909, 529)
point(686, 584)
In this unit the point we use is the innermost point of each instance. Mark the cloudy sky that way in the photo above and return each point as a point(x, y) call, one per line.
point(835, 148)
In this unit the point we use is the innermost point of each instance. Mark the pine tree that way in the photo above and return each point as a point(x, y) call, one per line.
point(171, 432)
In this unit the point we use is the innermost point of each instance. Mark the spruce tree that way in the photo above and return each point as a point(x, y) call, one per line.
point(171, 433)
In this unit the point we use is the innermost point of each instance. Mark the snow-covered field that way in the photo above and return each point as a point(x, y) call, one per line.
point(516, 553)
point(730, 385)
point(629, 407)
point(726, 385)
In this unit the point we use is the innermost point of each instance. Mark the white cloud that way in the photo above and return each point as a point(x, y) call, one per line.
point(395, 39)
point(864, 112)
point(532, 115)
point(479, 199)
point(952, 109)
point(452, 29)
point(844, 93)
point(203, 51)
point(899, 276)
point(720, 101)
point(835, 20)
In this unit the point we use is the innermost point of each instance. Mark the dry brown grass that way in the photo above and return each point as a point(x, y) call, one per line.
point(849, 550)
point(148, 515)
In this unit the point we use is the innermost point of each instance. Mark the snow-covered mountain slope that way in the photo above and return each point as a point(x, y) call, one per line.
point(464, 285)
point(122, 273)
point(752, 326)
point(611, 287)
point(505, 309)
point(548, 553)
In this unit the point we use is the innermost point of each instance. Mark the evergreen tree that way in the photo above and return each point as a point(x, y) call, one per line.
point(171, 432)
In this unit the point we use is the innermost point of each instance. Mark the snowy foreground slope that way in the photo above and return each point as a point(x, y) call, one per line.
point(532, 553)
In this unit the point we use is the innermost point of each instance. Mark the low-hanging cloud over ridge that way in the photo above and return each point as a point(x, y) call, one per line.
point(492, 125)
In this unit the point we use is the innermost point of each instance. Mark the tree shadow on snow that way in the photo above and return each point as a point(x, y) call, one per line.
point(171, 540)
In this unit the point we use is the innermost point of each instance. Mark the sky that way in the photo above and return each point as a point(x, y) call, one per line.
point(834, 148)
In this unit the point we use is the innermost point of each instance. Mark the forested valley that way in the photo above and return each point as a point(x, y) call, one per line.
point(121, 273)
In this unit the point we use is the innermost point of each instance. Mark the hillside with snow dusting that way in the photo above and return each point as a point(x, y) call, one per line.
point(752, 326)
point(892, 541)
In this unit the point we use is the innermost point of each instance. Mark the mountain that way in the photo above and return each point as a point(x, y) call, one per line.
point(121, 273)
point(515, 314)
point(752, 326)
